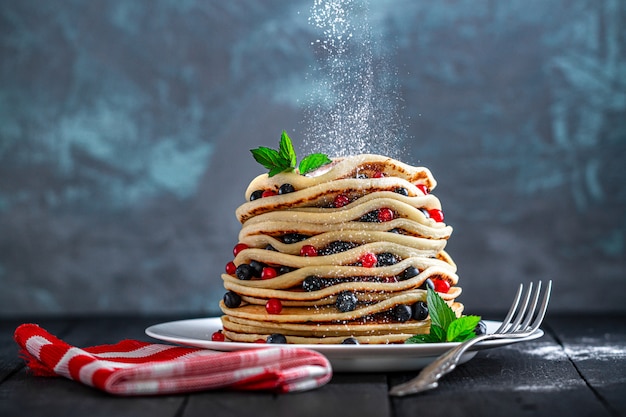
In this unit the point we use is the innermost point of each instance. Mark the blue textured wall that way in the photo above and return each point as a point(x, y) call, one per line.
point(125, 128)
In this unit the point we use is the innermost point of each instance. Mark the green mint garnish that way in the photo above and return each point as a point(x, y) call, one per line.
point(284, 159)
point(444, 325)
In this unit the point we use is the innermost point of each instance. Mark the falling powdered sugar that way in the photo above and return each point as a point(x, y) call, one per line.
point(353, 108)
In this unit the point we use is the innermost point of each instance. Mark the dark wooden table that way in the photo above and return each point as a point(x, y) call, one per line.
point(578, 368)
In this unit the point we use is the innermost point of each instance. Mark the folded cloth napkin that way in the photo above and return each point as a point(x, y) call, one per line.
point(132, 367)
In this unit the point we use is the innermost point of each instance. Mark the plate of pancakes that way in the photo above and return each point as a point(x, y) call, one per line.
point(343, 357)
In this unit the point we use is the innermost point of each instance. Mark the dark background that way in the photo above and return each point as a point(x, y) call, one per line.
point(125, 130)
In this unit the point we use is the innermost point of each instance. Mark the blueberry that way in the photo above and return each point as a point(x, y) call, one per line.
point(350, 341)
point(284, 270)
point(346, 301)
point(256, 195)
point(290, 238)
point(257, 268)
point(337, 247)
point(276, 338)
point(311, 283)
point(428, 283)
point(386, 258)
point(426, 213)
point(396, 231)
point(420, 310)
point(286, 189)
point(402, 312)
point(371, 217)
point(244, 272)
point(409, 273)
point(402, 191)
point(481, 328)
point(232, 299)
point(361, 176)
point(271, 248)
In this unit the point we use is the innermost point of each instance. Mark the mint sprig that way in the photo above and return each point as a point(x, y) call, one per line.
point(284, 159)
point(444, 325)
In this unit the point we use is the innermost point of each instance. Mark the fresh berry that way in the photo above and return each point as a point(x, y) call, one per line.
point(425, 213)
point(368, 260)
point(269, 273)
point(286, 189)
point(311, 283)
point(336, 247)
point(238, 248)
point(308, 250)
point(231, 268)
point(389, 280)
point(350, 341)
point(271, 248)
point(256, 195)
point(386, 259)
point(346, 301)
point(268, 193)
point(282, 270)
point(422, 188)
point(341, 200)
point(371, 217)
point(232, 299)
point(441, 285)
point(481, 328)
point(276, 338)
point(385, 215)
point(402, 191)
point(420, 310)
point(290, 238)
point(257, 268)
point(428, 283)
point(436, 215)
point(244, 272)
point(273, 306)
point(261, 341)
point(396, 231)
point(409, 273)
point(378, 174)
point(218, 336)
point(402, 312)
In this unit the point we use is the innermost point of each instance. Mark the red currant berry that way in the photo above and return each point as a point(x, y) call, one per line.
point(260, 341)
point(441, 285)
point(385, 214)
point(239, 247)
point(368, 260)
point(269, 273)
point(218, 336)
point(308, 250)
point(341, 200)
point(378, 174)
point(269, 193)
point(231, 268)
point(422, 188)
point(436, 215)
point(273, 306)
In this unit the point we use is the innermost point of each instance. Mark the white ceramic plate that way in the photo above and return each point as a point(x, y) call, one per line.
point(344, 358)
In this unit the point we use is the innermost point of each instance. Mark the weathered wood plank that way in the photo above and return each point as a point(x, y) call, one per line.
point(346, 395)
point(512, 381)
point(597, 347)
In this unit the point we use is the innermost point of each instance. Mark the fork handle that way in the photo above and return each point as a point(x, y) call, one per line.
point(428, 377)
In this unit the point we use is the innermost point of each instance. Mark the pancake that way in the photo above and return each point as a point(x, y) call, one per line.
point(345, 252)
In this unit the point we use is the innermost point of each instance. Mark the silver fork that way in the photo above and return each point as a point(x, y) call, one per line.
point(511, 328)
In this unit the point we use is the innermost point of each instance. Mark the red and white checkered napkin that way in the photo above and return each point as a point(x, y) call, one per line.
point(131, 367)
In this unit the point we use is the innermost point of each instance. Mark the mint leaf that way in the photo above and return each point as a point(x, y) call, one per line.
point(444, 325)
point(284, 159)
point(312, 162)
point(462, 328)
point(286, 150)
point(440, 312)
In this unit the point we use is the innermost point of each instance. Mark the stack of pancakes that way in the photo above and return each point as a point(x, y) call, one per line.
point(354, 247)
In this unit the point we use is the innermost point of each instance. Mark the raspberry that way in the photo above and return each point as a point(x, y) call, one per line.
point(368, 260)
point(341, 200)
